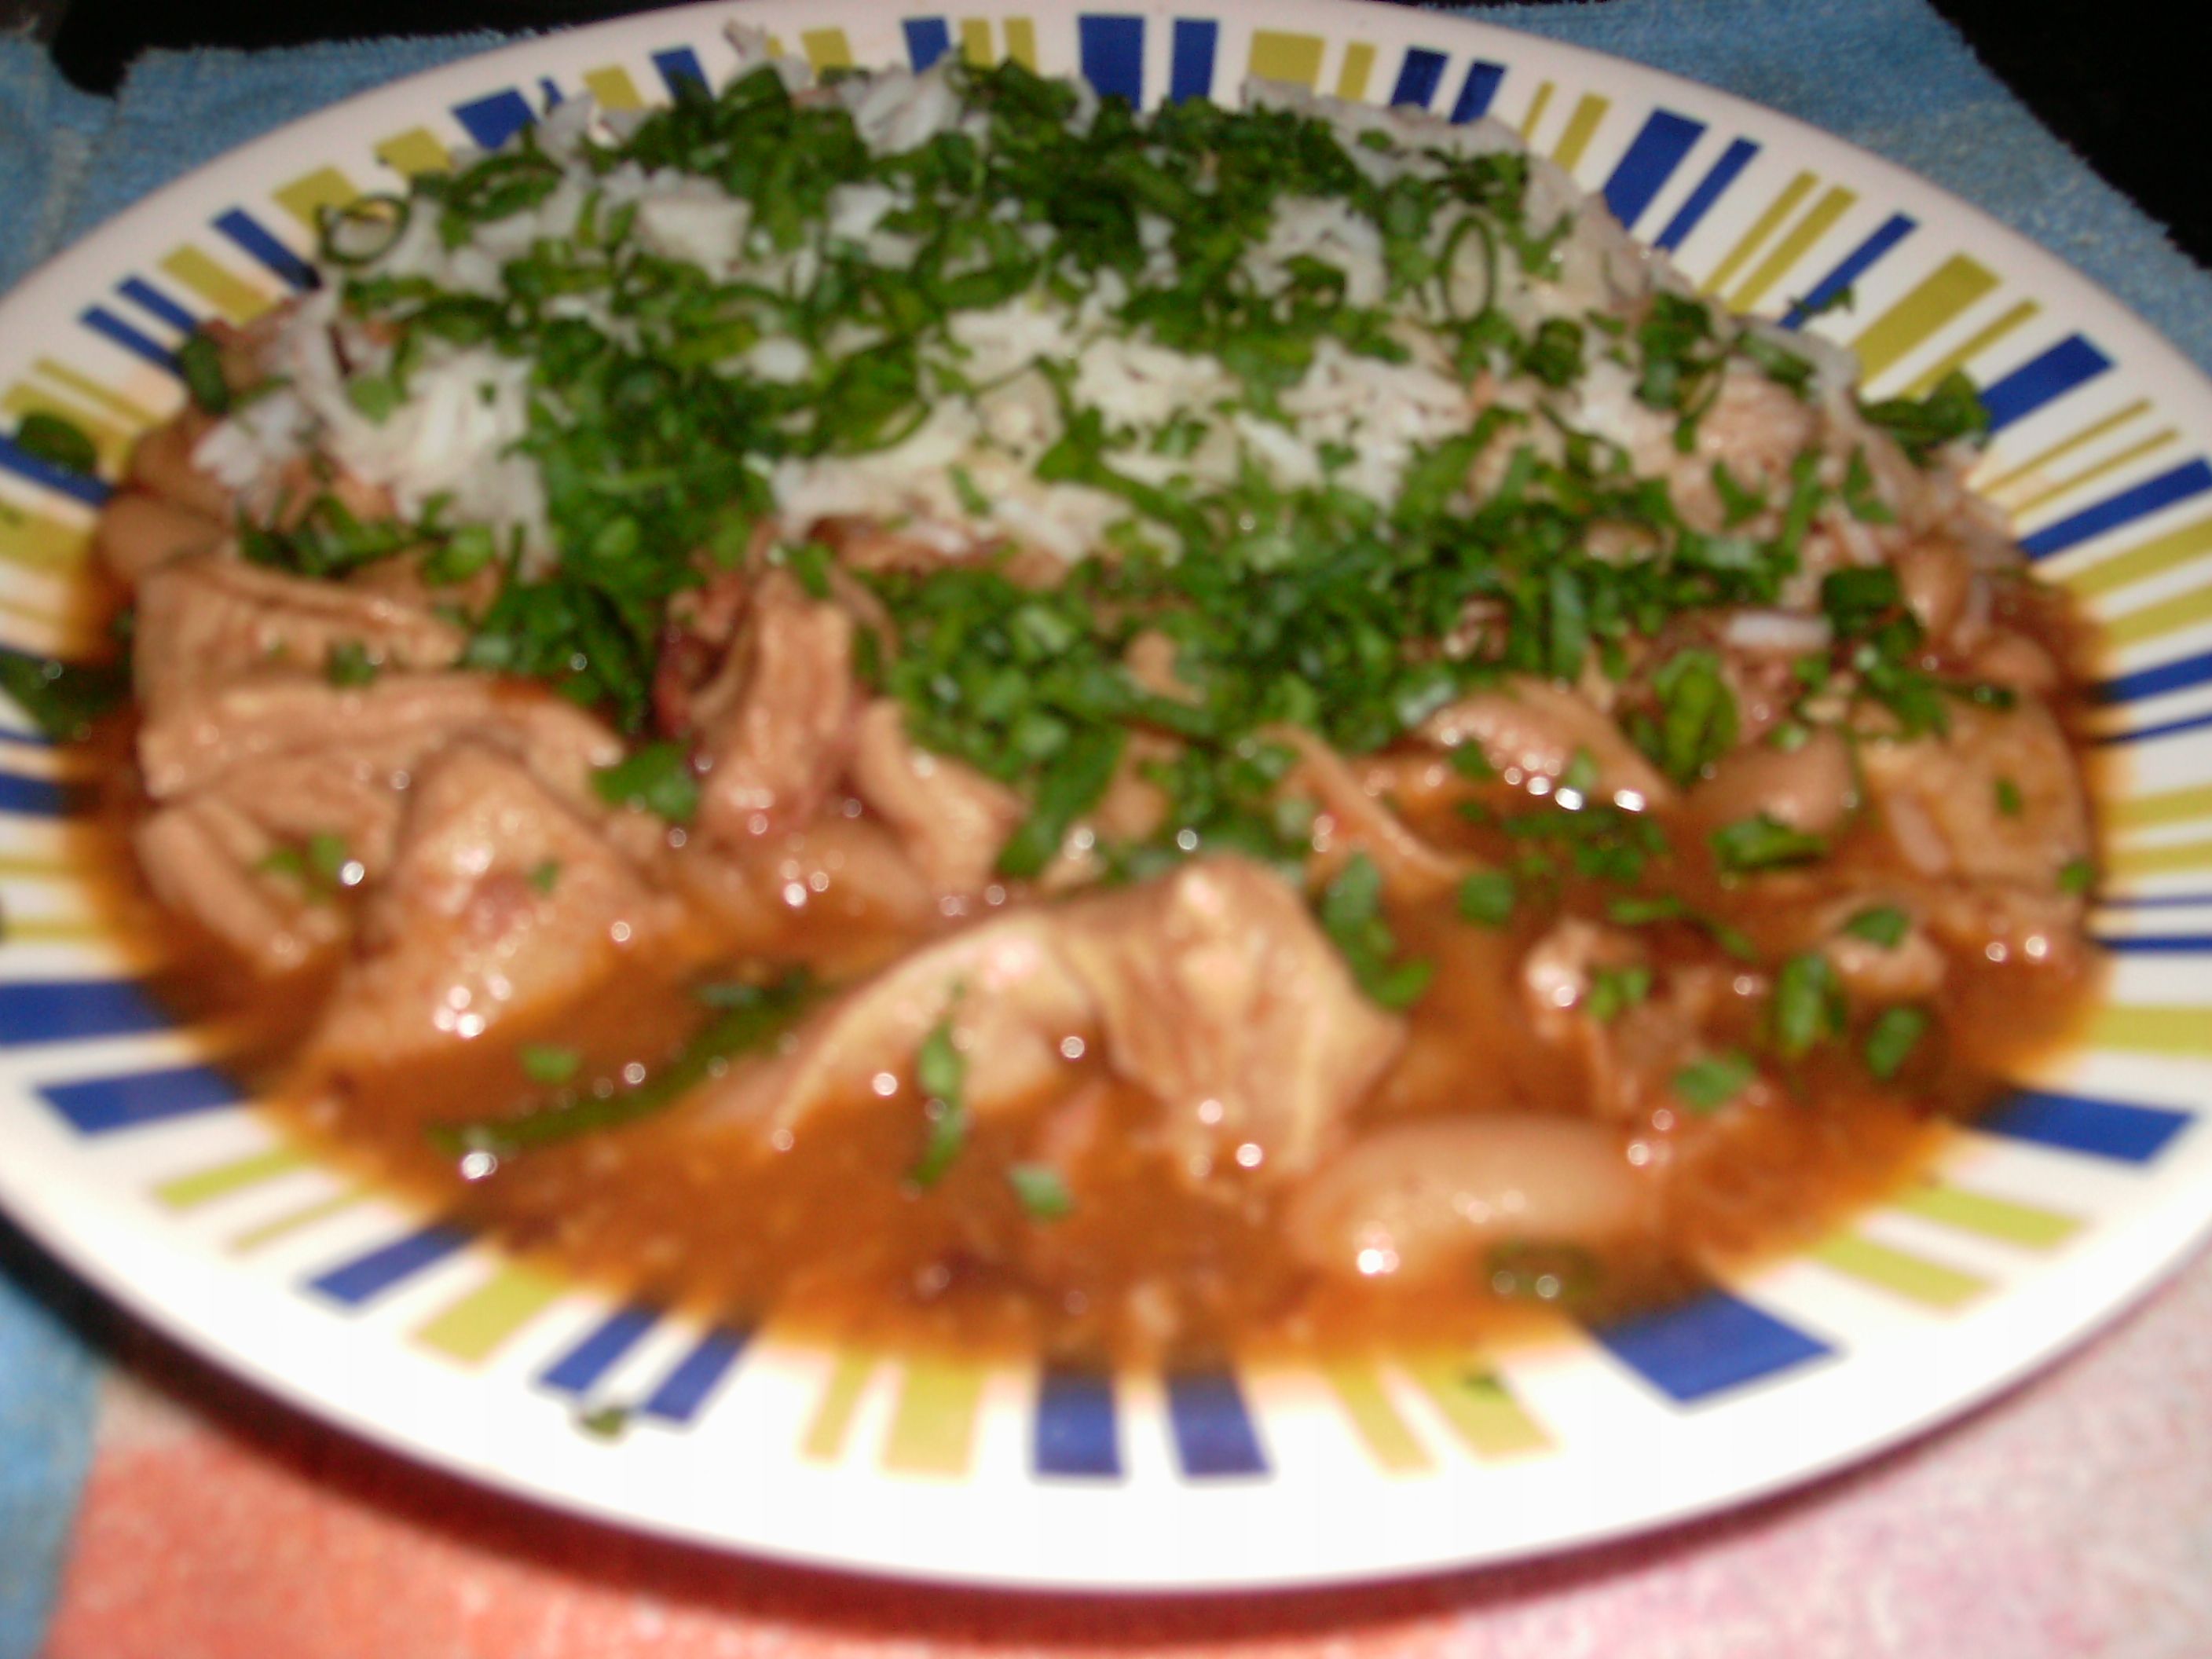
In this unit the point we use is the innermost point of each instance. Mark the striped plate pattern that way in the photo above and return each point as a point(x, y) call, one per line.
point(134, 1154)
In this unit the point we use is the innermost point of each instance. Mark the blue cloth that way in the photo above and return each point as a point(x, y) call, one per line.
point(1886, 74)
point(69, 160)
point(49, 1373)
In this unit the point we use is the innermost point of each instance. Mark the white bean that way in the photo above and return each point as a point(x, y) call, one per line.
point(1415, 1201)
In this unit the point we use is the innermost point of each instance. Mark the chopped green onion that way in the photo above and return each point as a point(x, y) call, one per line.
point(546, 1063)
point(1885, 925)
point(1891, 1038)
point(1352, 916)
point(1041, 1192)
point(1614, 991)
point(658, 777)
point(1761, 842)
point(49, 438)
point(348, 664)
point(751, 1017)
point(1808, 1003)
point(1486, 897)
point(1533, 1270)
point(1707, 1085)
point(199, 361)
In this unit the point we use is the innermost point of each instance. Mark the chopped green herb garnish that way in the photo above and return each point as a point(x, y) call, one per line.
point(1762, 843)
point(1041, 1192)
point(1952, 412)
point(2077, 875)
point(63, 700)
point(199, 361)
point(348, 663)
point(1614, 991)
point(1351, 916)
point(546, 1063)
point(658, 777)
point(1528, 1270)
point(1891, 1038)
point(2007, 797)
point(751, 1017)
point(604, 1422)
point(1739, 505)
point(1808, 1003)
point(49, 438)
point(321, 864)
point(1486, 897)
point(1708, 1084)
point(1697, 721)
point(544, 877)
point(940, 1071)
point(1469, 761)
point(1885, 925)
point(329, 861)
point(1860, 500)
point(939, 1068)
point(377, 398)
point(1640, 910)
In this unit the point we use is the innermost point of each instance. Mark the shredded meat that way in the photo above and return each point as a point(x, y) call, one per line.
point(206, 620)
point(273, 761)
point(775, 727)
point(1211, 988)
point(950, 817)
point(1354, 820)
point(1992, 815)
point(209, 859)
point(1532, 729)
point(502, 903)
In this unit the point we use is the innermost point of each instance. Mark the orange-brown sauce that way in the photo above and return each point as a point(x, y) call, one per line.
point(831, 1237)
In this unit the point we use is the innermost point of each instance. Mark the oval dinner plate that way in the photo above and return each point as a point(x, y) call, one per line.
point(131, 1155)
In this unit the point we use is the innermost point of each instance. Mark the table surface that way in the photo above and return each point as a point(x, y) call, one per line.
point(2071, 1519)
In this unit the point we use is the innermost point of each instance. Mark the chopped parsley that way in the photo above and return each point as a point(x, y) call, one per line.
point(199, 361)
point(657, 777)
point(1895, 1033)
point(1645, 910)
point(321, 864)
point(548, 1063)
point(749, 1017)
point(1533, 1270)
point(1614, 991)
point(1706, 1086)
point(47, 437)
point(1762, 843)
point(1885, 925)
point(1808, 1003)
point(1486, 897)
point(63, 700)
point(347, 664)
point(1041, 1191)
point(1697, 720)
point(1351, 916)
point(940, 1071)
point(1951, 413)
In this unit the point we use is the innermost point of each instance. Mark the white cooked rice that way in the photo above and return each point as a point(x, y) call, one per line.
point(454, 438)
